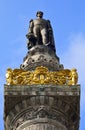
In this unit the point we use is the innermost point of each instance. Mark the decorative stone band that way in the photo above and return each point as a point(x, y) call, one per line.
point(41, 75)
point(42, 124)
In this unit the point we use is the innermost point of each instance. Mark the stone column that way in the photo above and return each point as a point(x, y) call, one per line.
point(42, 107)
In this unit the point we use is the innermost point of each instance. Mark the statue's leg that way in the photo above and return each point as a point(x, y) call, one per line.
point(44, 36)
point(36, 32)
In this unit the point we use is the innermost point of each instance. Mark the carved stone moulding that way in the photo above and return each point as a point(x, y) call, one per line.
point(40, 117)
point(41, 55)
point(41, 124)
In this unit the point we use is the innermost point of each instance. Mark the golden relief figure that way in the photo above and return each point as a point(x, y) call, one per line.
point(41, 75)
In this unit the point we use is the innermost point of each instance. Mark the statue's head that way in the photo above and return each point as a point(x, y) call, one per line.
point(39, 14)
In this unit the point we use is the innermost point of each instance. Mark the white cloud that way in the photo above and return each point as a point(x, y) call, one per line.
point(74, 57)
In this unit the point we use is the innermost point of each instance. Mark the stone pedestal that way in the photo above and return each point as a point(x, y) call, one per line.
point(41, 55)
point(42, 107)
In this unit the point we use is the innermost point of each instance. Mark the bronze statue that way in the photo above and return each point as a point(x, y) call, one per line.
point(40, 32)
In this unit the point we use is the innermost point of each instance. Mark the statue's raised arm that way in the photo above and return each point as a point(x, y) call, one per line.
point(40, 32)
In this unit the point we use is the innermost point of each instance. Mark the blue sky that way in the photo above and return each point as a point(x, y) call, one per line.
point(68, 21)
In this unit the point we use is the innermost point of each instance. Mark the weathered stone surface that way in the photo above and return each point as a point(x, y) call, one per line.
point(41, 107)
point(41, 55)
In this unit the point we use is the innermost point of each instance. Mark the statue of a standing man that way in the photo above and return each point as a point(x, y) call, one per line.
point(40, 31)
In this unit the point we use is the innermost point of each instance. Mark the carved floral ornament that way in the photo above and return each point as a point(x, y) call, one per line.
point(41, 75)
